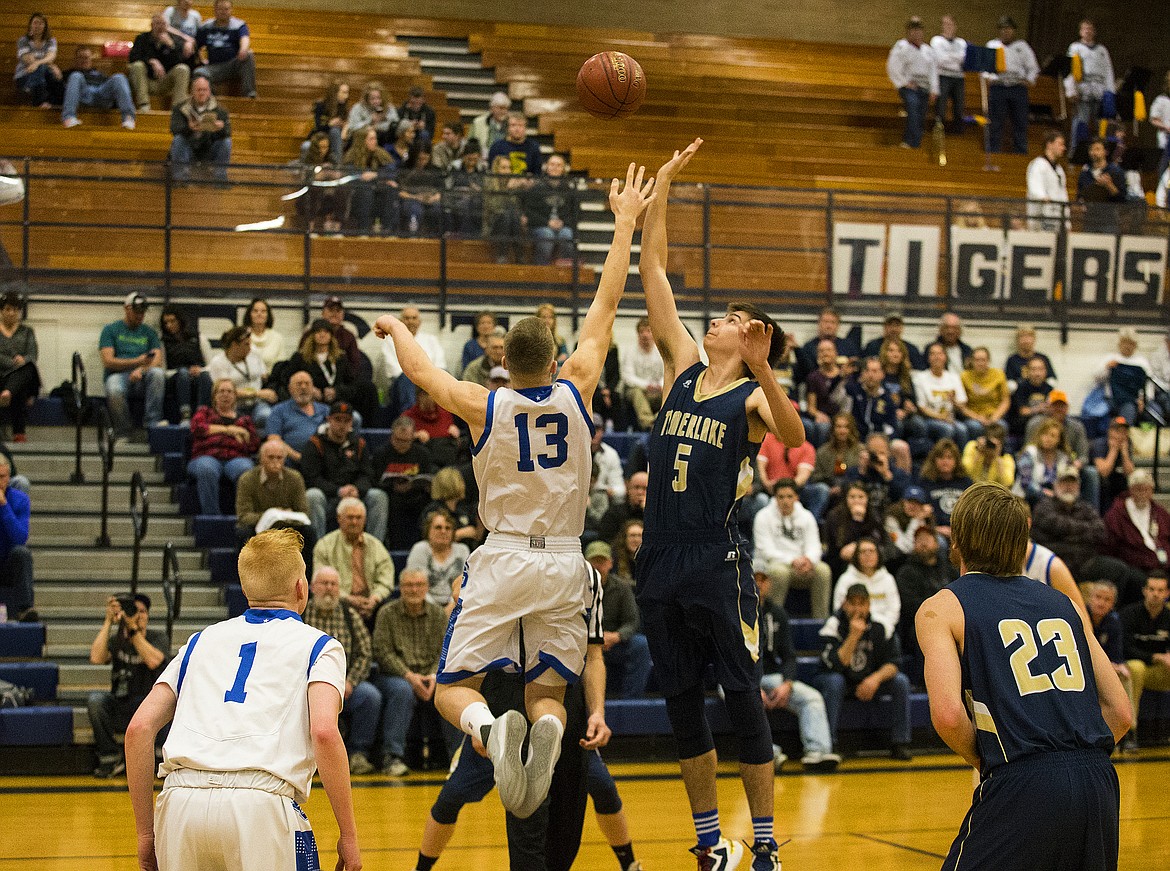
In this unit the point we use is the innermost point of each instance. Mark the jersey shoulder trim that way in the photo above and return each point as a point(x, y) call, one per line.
point(487, 424)
point(186, 659)
point(317, 648)
point(580, 404)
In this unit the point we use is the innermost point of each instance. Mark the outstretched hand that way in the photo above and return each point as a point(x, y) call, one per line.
point(382, 325)
point(634, 197)
point(675, 165)
point(755, 341)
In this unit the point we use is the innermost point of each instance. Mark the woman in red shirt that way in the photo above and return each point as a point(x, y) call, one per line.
point(223, 442)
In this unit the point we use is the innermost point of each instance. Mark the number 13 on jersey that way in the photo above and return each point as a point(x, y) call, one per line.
point(555, 428)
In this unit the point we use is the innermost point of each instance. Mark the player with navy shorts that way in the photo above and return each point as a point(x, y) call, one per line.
point(695, 586)
point(532, 458)
point(1021, 689)
point(253, 705)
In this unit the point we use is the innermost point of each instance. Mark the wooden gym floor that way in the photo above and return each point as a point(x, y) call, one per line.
point(872, 814)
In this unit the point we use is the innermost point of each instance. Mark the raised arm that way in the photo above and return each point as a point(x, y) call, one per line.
point(584, 366)
point(678, 349)
point(462, 398)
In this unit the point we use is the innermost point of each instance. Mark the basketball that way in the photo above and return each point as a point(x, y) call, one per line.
point(611, 85)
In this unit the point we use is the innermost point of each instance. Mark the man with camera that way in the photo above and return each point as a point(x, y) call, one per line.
point(137, 655)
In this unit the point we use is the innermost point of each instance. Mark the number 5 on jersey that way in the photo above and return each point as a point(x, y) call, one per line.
point(679, 483)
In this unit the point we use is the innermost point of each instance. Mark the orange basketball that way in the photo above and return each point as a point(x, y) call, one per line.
point(611, 85)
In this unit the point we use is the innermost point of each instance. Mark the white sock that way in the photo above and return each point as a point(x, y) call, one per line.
point(474, 717)
point(560, 726)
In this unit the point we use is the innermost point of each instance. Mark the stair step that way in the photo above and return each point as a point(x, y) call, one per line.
point(53, 466)
point(80, 559)
point(204, 616)
point(66, 639)
point(92, 599)
point(87, 499)
point(465, 65)
point(154, 540)
point(436, 44)
point(44, 526)
point(119, 479)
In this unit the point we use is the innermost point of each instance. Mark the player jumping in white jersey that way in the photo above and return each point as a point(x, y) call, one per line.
point(254, 703)
point(532, 459)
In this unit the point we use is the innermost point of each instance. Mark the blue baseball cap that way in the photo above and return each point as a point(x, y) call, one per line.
point(915, 494)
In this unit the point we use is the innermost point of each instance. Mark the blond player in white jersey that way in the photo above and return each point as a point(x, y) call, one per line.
point(532, 459)
point(253, 705)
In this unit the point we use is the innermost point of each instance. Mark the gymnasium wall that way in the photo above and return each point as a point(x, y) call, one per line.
point(865, 23)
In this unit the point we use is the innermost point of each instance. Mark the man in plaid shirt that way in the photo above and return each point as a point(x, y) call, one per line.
point(363, 702)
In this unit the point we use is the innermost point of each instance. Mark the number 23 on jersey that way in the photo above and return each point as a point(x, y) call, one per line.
point(1068, 678)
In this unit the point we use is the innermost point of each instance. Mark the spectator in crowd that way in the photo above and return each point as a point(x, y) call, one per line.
point(1160, 119)
point(788, 549)
point(86, 86)
point(420, 191)
point(780, 689)
point(449, 148)
point(847, 524)
point(334, 377)
point(1114, 462)
point(132, 359)
point(244, 367)
point(1125, 376)
point(547, 312)
point(904, 518)
point(1040, 460)
point(1101, 187)
point(950, 52)
point(988, 397)
point(483, 328)
point(20, 381)
point(466, 176)
point(883, 480)
point(892, 328)
point(322, 205)
point(642, 375)
point(1029, 401)
point(330, 115)
point(1076, 441)
point(1137, 529)
point(1095, 82)
point(271, 485)
point(523, 153)
point(479, 369)
point(776, 461)
point(1013, 369)
point(828, 325)
point(1047, 186)
point(860, 656)
point(333, 311)
point(1145, 627)
point(361, 702)
point(551, 211)
point(403, 150)
point(223, 442)
point(297, 419)
point(943, 479)
point(631, 509)
point(867, 567)
point(408, 638)
point(225, 43)
point(183, 21)
point(137, 655)
point(502, 214)
point(37, 74)
point(1008, 92)
point(421, 115)
point(439, 557)
point(492, 126)
point(266, 341)
point(1100, 599)
point(826, 389)
point(449, 492)
point(405, 467)
point(1066, 524)
point(372, 111)
point(364, 566)
point(498, 377)
point(872, 406)
point(435, 427)
point(375, 192)
point(898, 383)
point(913, 70)
point(624, 548)
point(336, 464)
point(186, 372)
point(608, 463)
point(939, 394)
point(950, 336)
point(923, 574)
point(16, 562)
point(626, 651)
point(202, 132)
point(156, 66)
point(840, 453)
point(984, 459)
point(387, 368)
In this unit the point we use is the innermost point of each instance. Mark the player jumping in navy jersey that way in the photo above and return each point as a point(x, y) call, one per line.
point(532, 456)
point(694, 577)
point(1020, 688)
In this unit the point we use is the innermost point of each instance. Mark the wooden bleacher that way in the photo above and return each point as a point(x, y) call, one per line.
point(774, 113)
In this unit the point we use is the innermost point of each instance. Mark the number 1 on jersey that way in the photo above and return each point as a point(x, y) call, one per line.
point(247, 657)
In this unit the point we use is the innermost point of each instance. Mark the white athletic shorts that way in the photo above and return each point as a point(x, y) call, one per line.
point(232, 820)
point(513, 584)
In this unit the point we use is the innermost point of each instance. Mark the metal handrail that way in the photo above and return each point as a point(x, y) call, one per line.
point(139, 519)
point(105, 442)
point(80, 399)
point(172, 586)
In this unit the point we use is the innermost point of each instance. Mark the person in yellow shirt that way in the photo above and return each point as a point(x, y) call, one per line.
point(988, 398)
point(984, 459)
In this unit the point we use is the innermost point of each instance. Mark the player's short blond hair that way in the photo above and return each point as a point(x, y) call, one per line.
point(270, 565)
point(989, 529)
point(529, 348)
